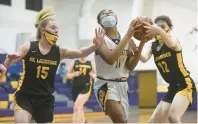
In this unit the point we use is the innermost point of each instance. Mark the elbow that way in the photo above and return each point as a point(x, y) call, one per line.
point(143, 61)
point(130, 68)
point(110, 61)
point(172, 45)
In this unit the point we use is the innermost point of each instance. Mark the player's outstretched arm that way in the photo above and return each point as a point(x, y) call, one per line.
point(13, 58)
point(98, 40)
point(146, 54)
point(110, 56)
point(154, 30)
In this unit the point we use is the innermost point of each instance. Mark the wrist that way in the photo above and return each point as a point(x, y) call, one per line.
point(159, 31)
point(94, 47)
point(127, 37)
point(142, 43)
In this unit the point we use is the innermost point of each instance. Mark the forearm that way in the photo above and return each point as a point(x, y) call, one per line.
point(166, 38)
point(8, 63)
point(113, 55)
point(70, 75)
point(92, 75)
point(87, 51)
point(119, 49)
point(133, 61)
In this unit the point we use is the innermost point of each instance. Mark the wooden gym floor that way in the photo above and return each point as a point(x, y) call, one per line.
point(135, 116)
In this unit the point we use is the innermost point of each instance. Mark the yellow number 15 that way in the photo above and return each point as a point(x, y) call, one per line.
point(42, 72)
point(164, 66)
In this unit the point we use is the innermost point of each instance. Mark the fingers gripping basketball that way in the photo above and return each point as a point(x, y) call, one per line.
point(140, 35)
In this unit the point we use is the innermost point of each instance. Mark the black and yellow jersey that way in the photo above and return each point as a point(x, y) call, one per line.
point(170, 65)
point(84, 69)
point(39, 71)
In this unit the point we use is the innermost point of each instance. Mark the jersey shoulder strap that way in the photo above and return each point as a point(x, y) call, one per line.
point(154, 45)
point(33, 48)
point(76, 62)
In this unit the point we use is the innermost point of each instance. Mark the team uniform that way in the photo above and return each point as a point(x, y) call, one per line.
point(171, 67)
point(111, 82)
point(82, 84)
point(34, 93)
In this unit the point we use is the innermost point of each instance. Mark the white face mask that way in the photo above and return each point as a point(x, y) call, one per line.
point(108, 21)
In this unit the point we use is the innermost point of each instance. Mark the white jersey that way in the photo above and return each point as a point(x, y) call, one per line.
point(118, 69)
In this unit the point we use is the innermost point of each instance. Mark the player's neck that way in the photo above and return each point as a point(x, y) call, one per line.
point(112, 32)
point(44, 44)
point(83, 60)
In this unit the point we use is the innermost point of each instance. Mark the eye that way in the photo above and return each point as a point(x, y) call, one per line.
point(53, 27)
point(163, 27)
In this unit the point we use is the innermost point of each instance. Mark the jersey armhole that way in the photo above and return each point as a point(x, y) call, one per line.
point(32, 48)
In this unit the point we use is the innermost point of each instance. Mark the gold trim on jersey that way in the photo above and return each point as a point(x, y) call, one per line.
point(17, 107)
point(187, 91)
point(181, 65)
point(105, 99)
point(82, 66)
point(87, 95)
point(122, 79)
point(22, 76)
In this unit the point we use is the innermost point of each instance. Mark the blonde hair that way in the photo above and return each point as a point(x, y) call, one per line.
point(42, 19)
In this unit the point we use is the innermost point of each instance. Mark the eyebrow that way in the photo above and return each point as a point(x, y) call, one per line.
point(161, 25)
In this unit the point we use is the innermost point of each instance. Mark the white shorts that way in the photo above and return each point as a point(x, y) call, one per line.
point(112, 90)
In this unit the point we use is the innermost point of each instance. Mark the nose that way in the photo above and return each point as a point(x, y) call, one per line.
point(56, 31)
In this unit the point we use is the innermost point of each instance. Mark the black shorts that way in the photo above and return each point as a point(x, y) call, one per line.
point(81, 89)
point(40, 107)
point(173, 90)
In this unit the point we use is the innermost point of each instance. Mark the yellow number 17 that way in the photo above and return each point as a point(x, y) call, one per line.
point(164, 66)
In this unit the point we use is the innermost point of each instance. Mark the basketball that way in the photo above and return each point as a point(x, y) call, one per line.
point(142, 33)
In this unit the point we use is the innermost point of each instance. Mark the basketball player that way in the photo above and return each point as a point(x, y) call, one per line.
point(167, 54)
point(2, 72)
point(113, 61)
point(33, 97)
point(82, 72)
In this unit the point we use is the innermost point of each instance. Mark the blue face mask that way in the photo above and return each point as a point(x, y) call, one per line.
point(108, 21)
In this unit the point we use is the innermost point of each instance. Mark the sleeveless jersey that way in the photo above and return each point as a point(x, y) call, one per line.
point(39, 71)
point(170, 65)
point(118, 69)
point(84, 69)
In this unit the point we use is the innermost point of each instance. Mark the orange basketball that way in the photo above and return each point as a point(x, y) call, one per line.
point(140, 35)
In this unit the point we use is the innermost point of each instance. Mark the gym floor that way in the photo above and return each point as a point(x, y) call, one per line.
point(135, 116)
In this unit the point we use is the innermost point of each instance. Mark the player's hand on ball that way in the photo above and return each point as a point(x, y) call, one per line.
point(151, 30)
point(133, 29)
point(99, 38)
